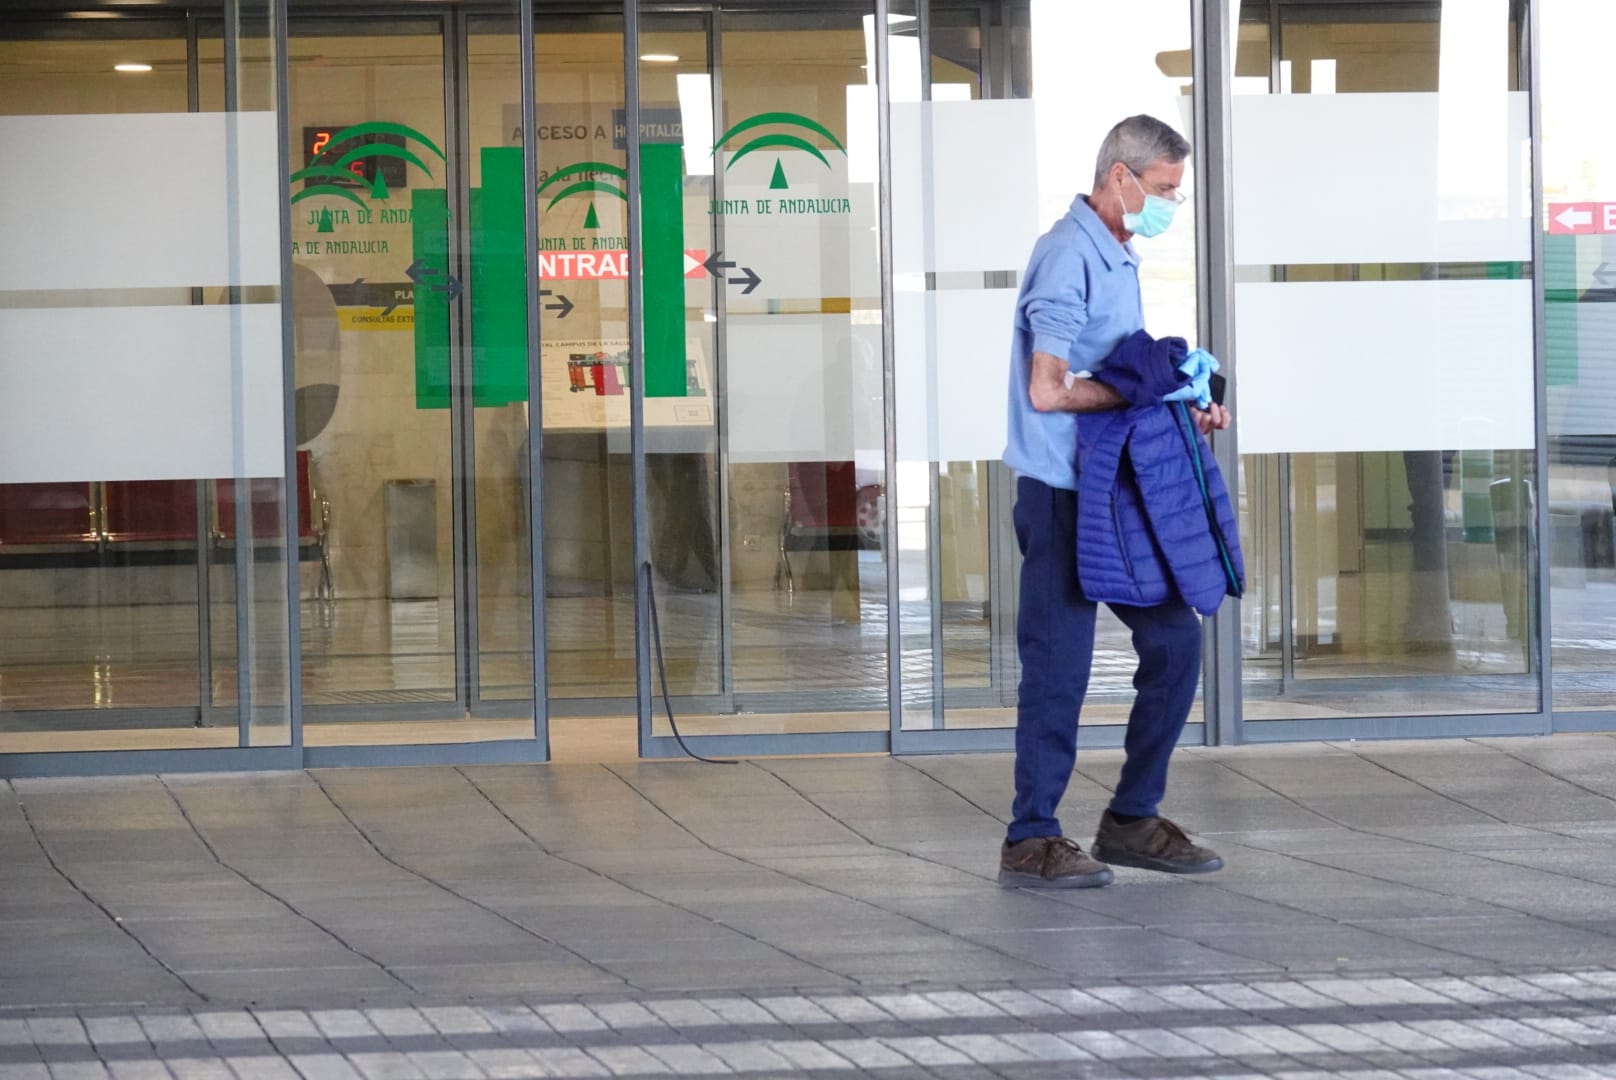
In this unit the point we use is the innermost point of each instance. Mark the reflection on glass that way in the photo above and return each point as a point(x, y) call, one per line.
point(955, 287)
point(1579, 184)
point(1391, 581)
point(137, 571)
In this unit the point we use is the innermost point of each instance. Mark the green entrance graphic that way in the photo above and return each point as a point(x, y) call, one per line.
point(586, 180)
point(779, 140)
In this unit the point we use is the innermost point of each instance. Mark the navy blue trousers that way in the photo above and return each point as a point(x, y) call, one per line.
point(1055, 636)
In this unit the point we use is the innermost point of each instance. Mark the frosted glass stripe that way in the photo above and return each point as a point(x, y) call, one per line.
point(138, 393)
point(152, 200)
point(804, 388)
point(954, 350)
point(1384, 365)
point(971, 203)
point(1375, 178)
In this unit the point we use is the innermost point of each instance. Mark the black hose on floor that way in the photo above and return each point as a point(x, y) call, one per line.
point(662, 673)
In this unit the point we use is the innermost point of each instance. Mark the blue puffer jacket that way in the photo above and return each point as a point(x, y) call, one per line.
point(1154, 518)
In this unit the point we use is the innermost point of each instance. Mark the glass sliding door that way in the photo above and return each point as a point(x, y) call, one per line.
point(1385, 362)
point(987, 155)
point(408, 255)
point(763, 385)
point(143, 470)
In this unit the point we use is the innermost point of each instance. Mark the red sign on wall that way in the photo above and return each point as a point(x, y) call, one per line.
point(1582, 218)
point(602, 265)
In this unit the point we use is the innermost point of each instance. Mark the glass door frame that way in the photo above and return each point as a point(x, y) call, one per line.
point(1225, 656)
point(52, 22)
point(454, 23)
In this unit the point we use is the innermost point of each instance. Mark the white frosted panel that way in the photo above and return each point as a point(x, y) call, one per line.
point(1384, 365)
point(911, 368)
point(973, 363)
point(966, 176)
point(1352, 178)
point(148, 200)
point(803, 388)
point(138, 393)
point(954, 351)
point(815, 238)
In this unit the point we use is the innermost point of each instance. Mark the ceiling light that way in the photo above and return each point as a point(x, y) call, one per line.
point(132, 68)
point(659, 58)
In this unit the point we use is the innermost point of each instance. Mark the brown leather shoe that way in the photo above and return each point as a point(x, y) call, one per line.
point(1152, 844)
point(1050, 862)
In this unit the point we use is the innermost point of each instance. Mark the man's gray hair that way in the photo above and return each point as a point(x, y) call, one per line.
point(1139, 142)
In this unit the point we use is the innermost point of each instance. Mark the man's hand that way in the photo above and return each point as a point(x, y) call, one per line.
point(1214, 418)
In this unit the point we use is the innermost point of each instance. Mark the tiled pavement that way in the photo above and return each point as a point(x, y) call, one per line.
point(1433, 909)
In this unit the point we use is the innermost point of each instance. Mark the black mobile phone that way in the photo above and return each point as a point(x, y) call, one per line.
point(1219, 384)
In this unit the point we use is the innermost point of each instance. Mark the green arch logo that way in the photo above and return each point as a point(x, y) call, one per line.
point(585, 177)
point(779, 140)
point(330, 166)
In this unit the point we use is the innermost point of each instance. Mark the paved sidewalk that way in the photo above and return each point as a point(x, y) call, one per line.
point(1457, 900)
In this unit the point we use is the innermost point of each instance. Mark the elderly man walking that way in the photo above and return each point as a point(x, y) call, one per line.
point(1079, 301)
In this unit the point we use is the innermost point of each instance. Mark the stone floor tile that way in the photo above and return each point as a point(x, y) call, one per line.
point(1044, 1046)
point(286, 1023)
point(685, 1058)
point(139, 1070)
point(504, 1063)
point(630, 1061)
point(809, 1055)
point(1570, 1030)
point(385, 1065)
point(261, 1068)
point(748, 1056)
point(57, 1031)
point(867, 1053)
point(222, 1026)
point(570, 1019)
point(1105, 1045)
point(795, 1011)
point(737, 1010)
point(685, 1013)
point(457, 1020)
point(343, 1024)
point(959, 1003)
point(624, 1015)
point(851, 1010)
point(445, 1065)
point(399, 1022)
point(79, 1070)
point(112, 1030)
point(324, 1067)
point(29, 1071)
point(927, 1051)
point(187, 1068)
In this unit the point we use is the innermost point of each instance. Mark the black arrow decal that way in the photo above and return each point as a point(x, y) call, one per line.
point(751, 280)
point(419, 269)
point(451, 285)
point(716, 268)
point(1602, 276)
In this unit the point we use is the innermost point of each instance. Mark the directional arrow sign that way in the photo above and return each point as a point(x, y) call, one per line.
point(716, 268)
point(562, 307)
point(418, 270)
point(451, 285)
point(1582, 218)
point(386, 295)
point(751, 280)
point(1602, 276)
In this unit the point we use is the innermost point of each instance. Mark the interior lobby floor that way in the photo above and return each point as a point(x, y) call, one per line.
point(1442, 906)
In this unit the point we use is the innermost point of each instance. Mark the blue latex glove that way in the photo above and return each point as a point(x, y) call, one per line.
point(1198, 365)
